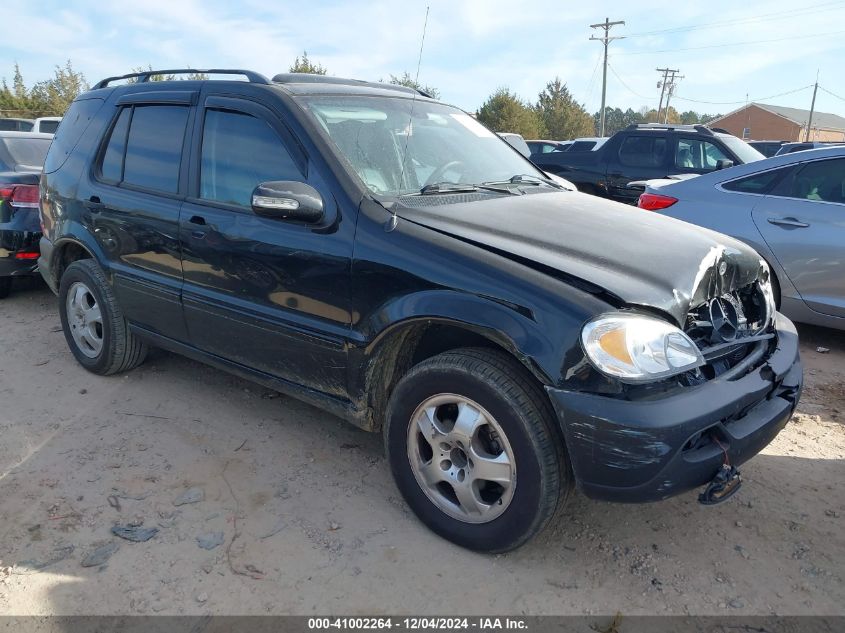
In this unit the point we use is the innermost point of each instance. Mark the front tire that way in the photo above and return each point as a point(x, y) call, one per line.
point(93, 323)
point(472, 446)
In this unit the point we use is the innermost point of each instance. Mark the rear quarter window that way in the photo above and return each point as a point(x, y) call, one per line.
point(75, 122)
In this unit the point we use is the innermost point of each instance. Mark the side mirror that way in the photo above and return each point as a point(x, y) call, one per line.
point(724, 163)
point(288, 200)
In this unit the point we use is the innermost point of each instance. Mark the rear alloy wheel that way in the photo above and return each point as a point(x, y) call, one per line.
point(85, 319)
point(93, 323)
point(471, 442)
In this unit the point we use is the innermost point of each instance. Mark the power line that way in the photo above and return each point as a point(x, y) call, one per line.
point(777, 15)
point(832, 94)
point(789, 92)
point(699, 48)
point(626, 86)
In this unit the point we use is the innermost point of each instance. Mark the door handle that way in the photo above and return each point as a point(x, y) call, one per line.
point(94, 204)
point(788, 222)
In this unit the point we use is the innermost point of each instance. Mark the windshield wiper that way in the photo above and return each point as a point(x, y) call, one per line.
point(454, 187)
point(527, 179)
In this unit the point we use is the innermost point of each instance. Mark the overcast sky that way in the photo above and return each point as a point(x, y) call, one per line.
point(726, 50)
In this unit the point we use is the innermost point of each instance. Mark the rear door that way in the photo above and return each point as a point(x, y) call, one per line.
point(638, 157)
point(133, 200)
point(803, 222)
point(269, 294)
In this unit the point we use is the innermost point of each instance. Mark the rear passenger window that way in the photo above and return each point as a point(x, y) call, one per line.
point(239, 152)
point(821, 180)
point(111, 168)
point(145, 147)
point(758, 183)
point(643, 151)
point(154, 147)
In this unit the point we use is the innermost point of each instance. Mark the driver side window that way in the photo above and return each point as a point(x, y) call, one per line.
point(239, 152)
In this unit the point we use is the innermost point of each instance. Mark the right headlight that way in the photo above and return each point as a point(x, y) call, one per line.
point(637, 348)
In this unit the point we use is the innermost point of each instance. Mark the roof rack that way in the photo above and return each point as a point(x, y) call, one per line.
point(144, 76)
point(309, 78)
point(670, 126)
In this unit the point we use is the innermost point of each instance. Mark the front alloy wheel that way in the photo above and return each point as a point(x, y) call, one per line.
point(461, 458)
point(471, 442)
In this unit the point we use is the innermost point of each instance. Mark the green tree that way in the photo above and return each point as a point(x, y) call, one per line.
point(56, 94)
point(651, 116)
point(505, 112)
point(305, 65)
point(410, 82)
point(616, 119)
point(562, 117)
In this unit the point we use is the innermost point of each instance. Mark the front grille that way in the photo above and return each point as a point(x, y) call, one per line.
point(727, 328)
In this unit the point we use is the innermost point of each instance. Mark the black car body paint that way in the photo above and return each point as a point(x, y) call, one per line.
point(334, 313)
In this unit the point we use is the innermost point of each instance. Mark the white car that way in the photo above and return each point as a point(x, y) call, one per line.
point(46, 124)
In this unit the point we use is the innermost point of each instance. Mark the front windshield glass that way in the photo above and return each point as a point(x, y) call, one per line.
point(440, 144)
point(743, 150)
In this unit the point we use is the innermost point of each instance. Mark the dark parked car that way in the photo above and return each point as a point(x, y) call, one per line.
point(643, 152)
point(21, 157)
point(789, 148)
point(387, 258)
point(767, 148)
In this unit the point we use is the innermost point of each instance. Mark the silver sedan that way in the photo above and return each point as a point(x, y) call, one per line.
point(791, 209)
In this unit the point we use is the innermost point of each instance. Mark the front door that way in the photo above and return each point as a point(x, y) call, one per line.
point(265, 293)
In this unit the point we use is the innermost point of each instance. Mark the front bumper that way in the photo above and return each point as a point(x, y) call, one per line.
point(637, 451)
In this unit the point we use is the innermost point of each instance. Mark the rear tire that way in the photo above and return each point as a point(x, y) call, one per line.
point(459, 427)
point(5, 287)
point(93, 323)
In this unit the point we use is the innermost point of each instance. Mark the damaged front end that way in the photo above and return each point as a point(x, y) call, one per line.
point(644, 441)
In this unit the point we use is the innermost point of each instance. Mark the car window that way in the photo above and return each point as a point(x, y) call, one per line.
point(698, 154)
point(154, 147)
point(48, 127)
point(111, 167)
point(548, 149)
point(74, 124)
point(757, 183)
point(239, 152)
point(821, 180)
point(643, 151)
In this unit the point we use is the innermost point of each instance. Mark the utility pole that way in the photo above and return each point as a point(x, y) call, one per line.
point(812, 109)
point(662, 86)
point(606, 39)
point(669, 92)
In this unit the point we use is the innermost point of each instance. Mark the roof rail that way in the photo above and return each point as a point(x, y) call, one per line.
point(670, 126)
point(310, 78)
point(144, 76)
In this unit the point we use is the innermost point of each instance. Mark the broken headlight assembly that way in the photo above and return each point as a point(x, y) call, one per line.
point(636, 348)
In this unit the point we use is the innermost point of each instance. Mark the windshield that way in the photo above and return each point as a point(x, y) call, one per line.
point(444, 144)
point(25, 152)
point(743, 150)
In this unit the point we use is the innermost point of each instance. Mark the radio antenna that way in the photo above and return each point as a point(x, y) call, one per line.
point(408, 130)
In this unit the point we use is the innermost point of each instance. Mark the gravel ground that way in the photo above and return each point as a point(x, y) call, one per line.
point(285, 509)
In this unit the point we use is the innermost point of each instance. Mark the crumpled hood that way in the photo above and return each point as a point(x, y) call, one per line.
point(641, 257)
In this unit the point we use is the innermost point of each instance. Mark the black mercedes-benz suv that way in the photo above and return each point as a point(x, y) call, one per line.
point(384, 256)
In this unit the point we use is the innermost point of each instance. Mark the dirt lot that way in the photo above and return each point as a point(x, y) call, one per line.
point(309, 521)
